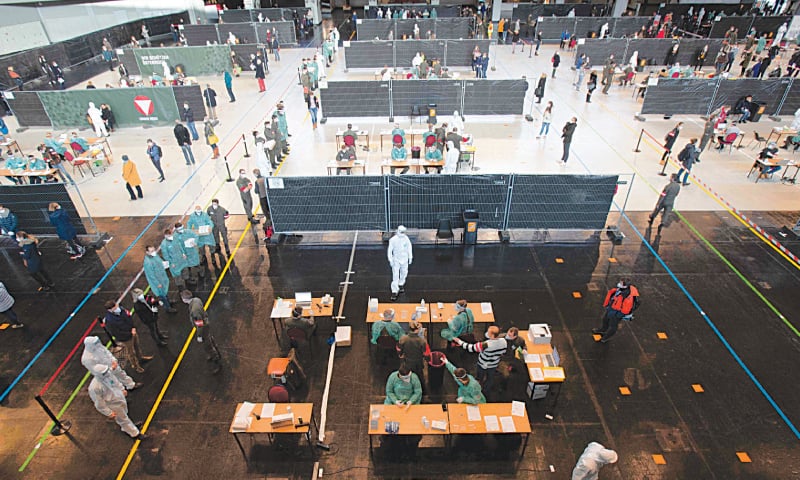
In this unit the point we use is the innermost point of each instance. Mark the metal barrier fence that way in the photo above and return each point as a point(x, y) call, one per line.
point(410, 97)
point(399, 53)
point(343, 203)
point(30, 204)
point(245, 32)
point(653, 50)
point(690, 96)
point(443, 28)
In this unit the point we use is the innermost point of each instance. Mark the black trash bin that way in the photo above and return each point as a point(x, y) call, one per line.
point(470, 227)
point(436, 370)
point(759, 108)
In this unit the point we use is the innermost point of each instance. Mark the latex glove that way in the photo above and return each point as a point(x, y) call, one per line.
point(408, 403)
point(112, 416)
point(114, 365)
point(200, 339)
point(399, 403)
point(460, 399)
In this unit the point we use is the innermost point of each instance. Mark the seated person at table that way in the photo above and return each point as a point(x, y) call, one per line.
point(427, 134)
point(461, 324)
point(399, 155)
point(469, 390)
point(14, 162)
point(793, 141)
point(345, 154)
point(744, 107)
point(305, 324)
point(51, 142)
point(403, 388)
point(37, 164)
point(78, 144)
point(433, 154)
point(350, 132)
point(399, 131)
point(767, 155)
point(732, 128)
point(386, 326)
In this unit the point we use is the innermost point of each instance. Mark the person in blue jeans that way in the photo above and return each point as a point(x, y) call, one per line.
point(547, 117)
point(688, 157)
point(226, 75)
point(188, 117)
point(154, 152)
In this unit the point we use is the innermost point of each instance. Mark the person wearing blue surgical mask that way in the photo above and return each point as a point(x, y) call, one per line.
point(120, 324)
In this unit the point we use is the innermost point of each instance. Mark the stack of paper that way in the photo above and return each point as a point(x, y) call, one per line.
point(473, 413)
point(486, 308)
point(536, 374)
point(554, 372)
point(518, 409)
point(533, 358)
point(267, 410)
point(508, 424)
point(204, 229)
point(491, 423)
point(440, 425)
point(242, 420)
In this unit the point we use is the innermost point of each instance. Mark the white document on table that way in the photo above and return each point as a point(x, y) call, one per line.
point(508, 424)
point(473, 413)
point(246, 410)
point(518, 409)
point(486, 308)
point(555, 372)
point(533, 358)
point(536, 374)
point(491, 423)
point(267, 410)
point(240, 424)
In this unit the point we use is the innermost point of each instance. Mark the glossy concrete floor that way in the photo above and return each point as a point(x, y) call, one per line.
point(698, 434)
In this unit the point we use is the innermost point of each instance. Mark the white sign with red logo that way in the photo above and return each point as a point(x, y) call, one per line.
point(145, 106)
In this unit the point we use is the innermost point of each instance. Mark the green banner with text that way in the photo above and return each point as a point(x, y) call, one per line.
point(193, 61)
point(132, 107)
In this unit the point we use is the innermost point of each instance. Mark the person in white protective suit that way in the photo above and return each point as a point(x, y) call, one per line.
point(400, 257)
point(110, 401)
point(451, 158)
point(796, 121)
point(95, 353)
point(592, 460)
point(96, 116)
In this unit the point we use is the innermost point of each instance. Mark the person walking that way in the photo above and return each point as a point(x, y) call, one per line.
point(155, 270)
point(556, 61)
point(201, 225)
point(261, 193)
point(608, 74)
point(669, 141)
point(490, 351)
point(199, 320)
point(188, 239)
point(566, 136)
point(95, 353)
point(210, 97)
point(547, 117)
point(245, 186)
point(60, 219)
point(708, 133)
point(688, 157)
point(621, 301)
point(258, 63)
point(146, 307)
point(591, 85)
point(228, 78)
point(313, 108)
point(32, 259)
point(666, 201)
point(184, 141)
point(7, 307)
point(218, 215)
point(120, 324)
point(131, 176)
point(212, 140)
point(413, 349)
point(155, 153)
point(188, 117)
point(593, 458)
point(400, 256)
point(174, 254)
point(539, 91)
point(111, 402)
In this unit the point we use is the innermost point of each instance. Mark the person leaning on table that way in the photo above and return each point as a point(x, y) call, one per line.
point(403, 388)
point(469, 390)
point(345, 154)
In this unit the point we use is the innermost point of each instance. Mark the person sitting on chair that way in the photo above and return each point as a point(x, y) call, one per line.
point(307, 325)
point(399, 155)
point(346, 154)
point(744, 107)
point(767, 154)
point(721, 138)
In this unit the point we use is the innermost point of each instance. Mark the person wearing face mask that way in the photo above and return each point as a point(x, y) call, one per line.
point(414, 349)
point(131, 176)
point(386, 326)
point(403, 388)
point(188, 239)
point(469, 389)
point(400, 256)
point(621, 302)
point(200, 223)
point(32, 258)
point(110, 401)
point(262, 157)
point(669, 141)
point(146, 307)
point(261, 193)
point(461, 324)
point(154, 152)
point(245, 186)
point(119, 323)
point(212, 140)
point(188, 116)
point(174, 254)
point(182, 137)
point(94, 354)
point(218, 215)
point(60, 219)
point(157, 278)
point(8, 222)
point(490, 351)
point(199, 319)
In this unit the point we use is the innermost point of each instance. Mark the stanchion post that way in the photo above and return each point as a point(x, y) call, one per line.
point(228, 168)
point(60, 427)
point(246, 153)
point(530, 50)
point(639, 142)
point(664, 167)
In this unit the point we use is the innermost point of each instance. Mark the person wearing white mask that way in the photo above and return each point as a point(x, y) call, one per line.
point(146, 307)
point(157, 278)
point(120, 324)
point(218, 215)
point(200, 223)
point(403, 388)
point(400, 256)
point(245, 186)
point(593, 458)
point(174, 254)
point(111, 402)
point(188, 239)
point(96, 116)
point(95, 353)
point(796, 121)
point(451, 159)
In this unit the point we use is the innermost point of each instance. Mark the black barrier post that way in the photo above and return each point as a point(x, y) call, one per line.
point(60, 427)
point(639, 142)
point(664, 167)
point(228, 168)
point(246, 154)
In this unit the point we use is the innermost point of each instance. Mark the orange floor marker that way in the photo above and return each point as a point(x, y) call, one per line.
point(559, 260)
point(612, 260)
point(4, 326)
point(597, 337)
point(576, 295)
point(743, 457)
point(697, 388)
point(661, 335)
point(659, 459)
point(624, 390)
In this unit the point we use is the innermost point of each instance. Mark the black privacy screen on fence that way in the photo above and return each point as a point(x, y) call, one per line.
point(346, 203)
point(30, 202)
point(446, 94)
point(355, 99)
point(494, 97)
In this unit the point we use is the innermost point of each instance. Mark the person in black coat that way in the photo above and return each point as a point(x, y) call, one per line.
point(146, 307)
point(32, 259)
point(566, 136)
point(669, 141)
point(210, 97)
point(184, 141)
point(539, 92)
point(258, 63)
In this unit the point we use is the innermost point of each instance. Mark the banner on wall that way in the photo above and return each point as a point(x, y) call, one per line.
point(132, 107)
point(202, 60)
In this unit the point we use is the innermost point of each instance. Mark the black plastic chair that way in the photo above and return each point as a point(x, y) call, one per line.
point(758, 139)
point(444, 231)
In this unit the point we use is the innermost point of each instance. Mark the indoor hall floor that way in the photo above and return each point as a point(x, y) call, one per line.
point(698, 434)
point(604, 142)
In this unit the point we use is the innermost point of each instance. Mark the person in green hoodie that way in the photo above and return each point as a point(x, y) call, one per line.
point(469, 390)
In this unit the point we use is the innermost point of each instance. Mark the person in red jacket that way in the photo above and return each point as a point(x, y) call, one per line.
point(620, 303)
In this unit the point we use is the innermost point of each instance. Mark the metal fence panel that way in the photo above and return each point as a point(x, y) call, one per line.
point(494, 97)
point(459, 52)
point(561, 201)
point(686, 96)
point(199, 35)
point(28, 109)
point(355, 98)
point(244, 32)
point(406, 49)
point(30, 203)
point(763, 91)
point(446, 94)
point(372, 29)
point(372, 54)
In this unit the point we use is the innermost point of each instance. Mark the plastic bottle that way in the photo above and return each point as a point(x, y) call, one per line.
point(425, 422)
point(422, 303)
